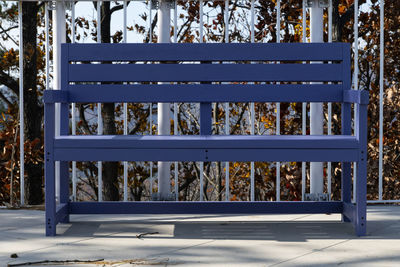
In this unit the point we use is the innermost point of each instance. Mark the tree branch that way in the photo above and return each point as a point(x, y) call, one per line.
point(9, 82)
point(153, 25)
point(4, 98)
point(82, 117)
point(6, 33)
point(118, 7)
point(7, 30)
point(236, 125)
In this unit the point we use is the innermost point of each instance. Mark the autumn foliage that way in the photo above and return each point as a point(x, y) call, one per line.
point(239, 116)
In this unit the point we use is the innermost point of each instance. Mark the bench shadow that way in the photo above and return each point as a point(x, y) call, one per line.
point(286, 231)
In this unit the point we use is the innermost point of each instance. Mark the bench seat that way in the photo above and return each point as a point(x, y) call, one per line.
point(207, 148)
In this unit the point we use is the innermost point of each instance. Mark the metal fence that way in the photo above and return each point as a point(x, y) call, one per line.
point(58, 30)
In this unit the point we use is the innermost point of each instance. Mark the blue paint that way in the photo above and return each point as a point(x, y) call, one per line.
point(205, 207)
point(201, 84)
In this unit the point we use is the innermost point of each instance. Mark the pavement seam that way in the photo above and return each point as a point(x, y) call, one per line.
point(376, 230)
point(311, 252)
point(183, 248)
point(67, 243)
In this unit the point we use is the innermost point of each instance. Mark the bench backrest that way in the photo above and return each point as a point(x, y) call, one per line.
point(205, 73)
point(262, 72)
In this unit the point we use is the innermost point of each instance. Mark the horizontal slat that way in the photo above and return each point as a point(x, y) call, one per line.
point(206, 148)
point(206, 52)
point(209, 207)
point(204, 72)
point(206, 142)
point(192, 154)
point(284, 155)
point(206, 93)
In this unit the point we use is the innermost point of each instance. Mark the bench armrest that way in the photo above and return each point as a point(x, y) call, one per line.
point(356, 96)
point(55, 96)
point(361, 126)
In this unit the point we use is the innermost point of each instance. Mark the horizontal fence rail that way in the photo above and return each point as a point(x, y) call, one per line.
point(211, 52)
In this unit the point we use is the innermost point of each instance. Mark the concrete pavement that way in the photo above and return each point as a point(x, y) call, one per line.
point(195, 240)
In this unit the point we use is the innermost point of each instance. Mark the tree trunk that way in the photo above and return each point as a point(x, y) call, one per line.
point(110, 169)
point(336, 30)
point(33, 112)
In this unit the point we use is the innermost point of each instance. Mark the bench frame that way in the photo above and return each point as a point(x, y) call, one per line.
point(206, 147)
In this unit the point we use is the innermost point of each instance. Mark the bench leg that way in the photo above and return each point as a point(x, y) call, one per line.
point(346, 187)
point(64, 187)
point(49, 166)
point(361, 198)
point(50, 198)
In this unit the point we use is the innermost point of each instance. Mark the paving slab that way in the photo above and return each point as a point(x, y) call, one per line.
point(202, 240)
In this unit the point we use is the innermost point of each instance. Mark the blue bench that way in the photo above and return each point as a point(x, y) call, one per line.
point(293, 80)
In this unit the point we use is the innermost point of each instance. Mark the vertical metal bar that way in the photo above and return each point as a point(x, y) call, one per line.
point(252, 108)
point(73, 22)
point(47, 52)
point(201, 168)
point(99, 117)
point(278, 105)
point(329, 171)
point(201, 32)
point(226, 21)
point(176, 187)
point(175, 21)
point(355, 45)
point(381, 79)
point(355, 88)
point(150, 21)
point(151, 104)
point(176, 104)
point(125, 108)
point(151, 133)
point(304, 21)
point(59, 36)
point(252, 19)
point(227, 182)
point(73, 108)
point(125, 14)
point(21, 106)
point(201, 29)
point(304, 107)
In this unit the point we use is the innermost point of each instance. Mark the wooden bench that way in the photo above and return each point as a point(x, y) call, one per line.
point(240, 79)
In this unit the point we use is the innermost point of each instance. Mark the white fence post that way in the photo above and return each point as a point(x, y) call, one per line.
point(316, 109)
point(164, 183)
